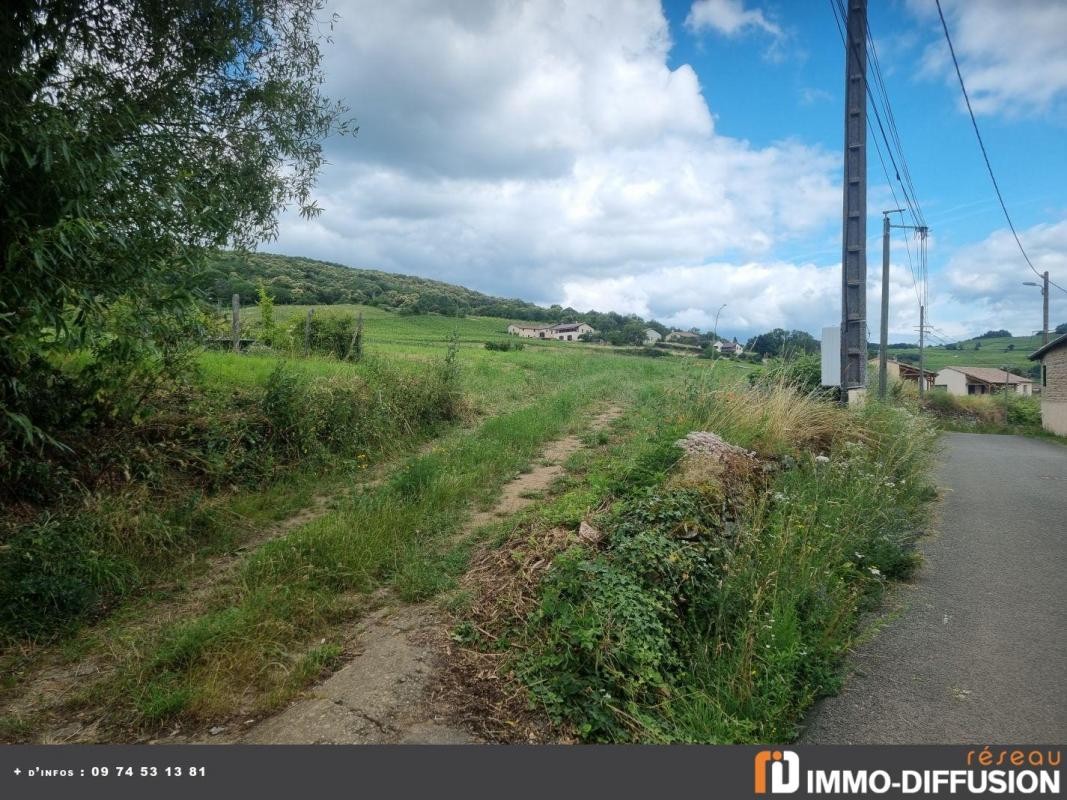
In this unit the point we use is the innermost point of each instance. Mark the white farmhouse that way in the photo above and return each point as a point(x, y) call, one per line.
point(981, 380)
point(652, 336)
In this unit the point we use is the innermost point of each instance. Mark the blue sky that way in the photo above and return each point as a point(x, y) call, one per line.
point(665, 159)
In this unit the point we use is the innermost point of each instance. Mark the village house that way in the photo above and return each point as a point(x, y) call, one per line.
point(652, 336)
point(728, 348)
point(684, 337)
point(901, 371)
point(564, 331)
point(1053, 358)
point(981, 380)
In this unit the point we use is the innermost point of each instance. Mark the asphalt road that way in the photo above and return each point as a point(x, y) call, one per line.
point(977, 650)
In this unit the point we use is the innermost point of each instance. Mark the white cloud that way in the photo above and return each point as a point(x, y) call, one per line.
point(985, 281)
point(1012, 55)
point(518, 147)
point(729, 17)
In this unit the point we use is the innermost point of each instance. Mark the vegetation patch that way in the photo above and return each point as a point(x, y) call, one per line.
point(696, 608)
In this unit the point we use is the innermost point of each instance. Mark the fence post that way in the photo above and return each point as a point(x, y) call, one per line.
point(355, 347)
point(307, 333)
point(236, 323)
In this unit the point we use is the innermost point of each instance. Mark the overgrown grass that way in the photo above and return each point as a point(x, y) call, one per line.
point(295, 590)
point(1005, 412)
point(715, 611)
point(64, 566)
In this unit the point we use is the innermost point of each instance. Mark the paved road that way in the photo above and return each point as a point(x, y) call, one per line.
point(978, 652)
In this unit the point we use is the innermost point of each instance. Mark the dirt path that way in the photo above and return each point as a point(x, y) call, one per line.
point(56, 677)
point(387, 693)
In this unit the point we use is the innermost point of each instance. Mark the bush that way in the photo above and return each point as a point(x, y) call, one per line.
point(331, 333)
point(504, 346)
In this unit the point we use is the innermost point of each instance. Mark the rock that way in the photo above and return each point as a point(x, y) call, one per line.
point(587, 533)
point(217, 729)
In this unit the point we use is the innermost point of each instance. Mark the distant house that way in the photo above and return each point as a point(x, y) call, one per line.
point(529, 331)
point(1053, 358)
point(981, 380)
point(652, 336)
point(730, 348)
point(900, 371)
point(683, 337)
point(564, 331)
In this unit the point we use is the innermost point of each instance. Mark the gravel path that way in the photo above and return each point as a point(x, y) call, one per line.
point(977, 652)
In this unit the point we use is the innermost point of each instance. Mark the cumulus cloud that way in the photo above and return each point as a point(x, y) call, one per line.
point(512, 147)
point(985, 281)
point(1012, 55)
point(729, 17)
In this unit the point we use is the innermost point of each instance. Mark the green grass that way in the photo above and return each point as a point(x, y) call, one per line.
point(401, 533)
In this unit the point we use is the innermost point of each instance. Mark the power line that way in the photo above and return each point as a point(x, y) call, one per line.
point(985, 155)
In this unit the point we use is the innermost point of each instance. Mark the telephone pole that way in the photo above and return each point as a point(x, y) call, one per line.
point(883, 334)
point(922, 354)
point(1044, 297)
point(854, 233)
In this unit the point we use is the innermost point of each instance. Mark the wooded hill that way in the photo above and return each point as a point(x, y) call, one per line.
point(294, 280)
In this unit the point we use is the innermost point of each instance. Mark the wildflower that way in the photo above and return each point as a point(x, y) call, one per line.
point(822, 459)
point(874, 571)
point(779, 497)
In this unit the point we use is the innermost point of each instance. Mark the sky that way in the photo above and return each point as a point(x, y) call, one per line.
point(666, 158)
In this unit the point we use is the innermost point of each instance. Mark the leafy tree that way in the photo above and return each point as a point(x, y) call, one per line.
point(782, 343)
point(999, 334)
point(135, 135)
point(1061, 328)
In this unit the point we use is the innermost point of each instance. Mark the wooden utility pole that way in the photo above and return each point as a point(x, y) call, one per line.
point(883, 333)
point(1044, 297)
point(236, 323)
point(922, 352)
point(854, 234)
point(307, 333)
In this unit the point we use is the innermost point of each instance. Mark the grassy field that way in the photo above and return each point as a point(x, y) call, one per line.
point(269, 505)
point(993, 352)
point(350, 437)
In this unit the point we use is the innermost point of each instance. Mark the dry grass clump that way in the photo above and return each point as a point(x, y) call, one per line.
point(480, 687)
point(772, 420)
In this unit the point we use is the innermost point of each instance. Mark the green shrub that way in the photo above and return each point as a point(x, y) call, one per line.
point(504, 346)
point(57, 570)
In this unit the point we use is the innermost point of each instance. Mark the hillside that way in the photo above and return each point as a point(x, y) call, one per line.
point(293, 280)
point(995, 351)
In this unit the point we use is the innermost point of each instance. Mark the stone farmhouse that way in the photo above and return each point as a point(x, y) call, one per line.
point(1053, 358)
point(563, 332)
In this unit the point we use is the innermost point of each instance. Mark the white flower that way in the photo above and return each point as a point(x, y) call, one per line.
point(779, 497)
point(822, 459)
point(874, 571)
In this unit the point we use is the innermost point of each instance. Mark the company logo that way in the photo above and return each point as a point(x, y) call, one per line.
point(784, 768)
